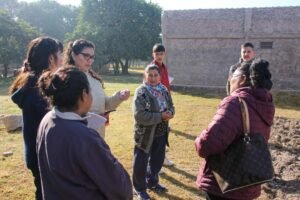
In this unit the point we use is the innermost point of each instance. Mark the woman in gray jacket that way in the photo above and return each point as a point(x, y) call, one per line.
point(153, 108)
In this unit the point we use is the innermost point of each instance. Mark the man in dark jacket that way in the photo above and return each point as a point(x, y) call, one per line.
point(247, 55)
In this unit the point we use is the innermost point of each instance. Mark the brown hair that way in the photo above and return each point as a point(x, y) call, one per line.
point(37, 60)
point(76, 47)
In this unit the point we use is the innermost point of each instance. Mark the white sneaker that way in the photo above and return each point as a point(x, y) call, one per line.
point(168, 162)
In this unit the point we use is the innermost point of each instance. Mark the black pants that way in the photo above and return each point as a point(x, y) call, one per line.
point(32, 164)
point(147, 165)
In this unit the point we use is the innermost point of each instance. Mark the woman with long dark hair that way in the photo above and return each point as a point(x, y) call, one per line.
point(44, 53)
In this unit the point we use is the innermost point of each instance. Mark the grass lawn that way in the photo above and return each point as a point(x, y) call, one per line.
point(193, 113)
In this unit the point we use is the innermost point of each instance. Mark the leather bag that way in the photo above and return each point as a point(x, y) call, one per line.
point(246, 162)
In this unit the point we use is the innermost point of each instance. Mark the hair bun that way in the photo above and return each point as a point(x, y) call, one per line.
point(260, 75)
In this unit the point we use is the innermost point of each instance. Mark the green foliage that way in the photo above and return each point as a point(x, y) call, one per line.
point(14, 37)
point(50, 17)
point(123, 30)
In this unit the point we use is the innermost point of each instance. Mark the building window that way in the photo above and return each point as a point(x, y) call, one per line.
point(266, 45)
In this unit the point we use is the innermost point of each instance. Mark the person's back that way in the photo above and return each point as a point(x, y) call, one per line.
point(74, 161)
point(252, 83)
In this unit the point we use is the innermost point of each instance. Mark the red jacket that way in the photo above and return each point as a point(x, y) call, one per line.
point(225, 127)
point(164, 74)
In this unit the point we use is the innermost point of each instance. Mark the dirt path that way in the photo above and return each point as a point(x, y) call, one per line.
point(285, 150)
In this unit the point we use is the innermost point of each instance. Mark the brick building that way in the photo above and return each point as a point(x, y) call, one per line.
point(202, 44)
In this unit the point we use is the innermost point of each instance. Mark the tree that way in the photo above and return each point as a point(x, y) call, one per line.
point(50, 17)
point(123, 30)
point(14, 37)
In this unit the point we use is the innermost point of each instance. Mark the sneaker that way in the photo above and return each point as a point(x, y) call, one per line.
point(143, 195)
point(158, 188)
point(168, 162)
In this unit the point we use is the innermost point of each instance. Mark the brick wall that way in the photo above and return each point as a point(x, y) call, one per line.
point(202, 44)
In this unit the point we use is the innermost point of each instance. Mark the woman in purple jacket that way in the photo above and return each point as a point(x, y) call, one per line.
point(251, 82)
point(74, 161)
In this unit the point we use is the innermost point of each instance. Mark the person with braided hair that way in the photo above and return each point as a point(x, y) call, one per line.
point(43, 54)
point(251, 82)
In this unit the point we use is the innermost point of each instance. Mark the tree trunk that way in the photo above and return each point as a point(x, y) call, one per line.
point(125, 67)
point(5, 71)
point(116, 67)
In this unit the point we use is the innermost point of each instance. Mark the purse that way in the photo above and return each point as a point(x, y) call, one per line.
point(246, 162)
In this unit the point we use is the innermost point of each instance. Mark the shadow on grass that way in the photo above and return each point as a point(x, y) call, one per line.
point(181, 172)
point(130, 78)
point(287, 100)
point(282, 99)
point(218, 93)
point(183, 134)
point(178, 183)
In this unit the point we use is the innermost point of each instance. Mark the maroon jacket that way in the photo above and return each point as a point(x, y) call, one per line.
point(164, 74)
point(226, 127)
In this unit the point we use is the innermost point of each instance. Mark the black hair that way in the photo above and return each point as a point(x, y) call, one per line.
point(152, 67)
point(247, 44)
point(64, 87)
point(158, 48)
point(37, 60)
point(257, 74)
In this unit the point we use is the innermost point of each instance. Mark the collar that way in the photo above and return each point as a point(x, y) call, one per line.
point(68, 115)
point(93, 121)
point(159, 65)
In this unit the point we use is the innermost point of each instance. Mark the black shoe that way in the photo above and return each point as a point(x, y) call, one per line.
point(143, 195)
point(158, 188)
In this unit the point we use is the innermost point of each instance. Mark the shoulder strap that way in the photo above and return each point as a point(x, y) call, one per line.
point(245, 116)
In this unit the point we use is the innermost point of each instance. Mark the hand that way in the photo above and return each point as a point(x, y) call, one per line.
point(167, 115)
point(124, 94)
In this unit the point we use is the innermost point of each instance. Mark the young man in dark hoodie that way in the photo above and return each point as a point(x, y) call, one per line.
point(247, 55)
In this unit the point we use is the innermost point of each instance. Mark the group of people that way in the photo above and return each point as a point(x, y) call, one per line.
point(64, 108)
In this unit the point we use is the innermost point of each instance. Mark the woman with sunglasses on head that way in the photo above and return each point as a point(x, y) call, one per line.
point(43, 54)
point(81, 53)
point(251, 82)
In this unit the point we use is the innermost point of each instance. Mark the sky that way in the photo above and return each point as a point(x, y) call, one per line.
point(204, 4)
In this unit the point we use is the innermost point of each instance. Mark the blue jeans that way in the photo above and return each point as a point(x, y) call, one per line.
point(146, 166)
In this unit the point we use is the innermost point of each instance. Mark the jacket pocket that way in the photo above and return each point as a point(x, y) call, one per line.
point(139, 131)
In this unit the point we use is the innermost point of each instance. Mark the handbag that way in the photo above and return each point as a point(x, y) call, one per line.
point(246, 162)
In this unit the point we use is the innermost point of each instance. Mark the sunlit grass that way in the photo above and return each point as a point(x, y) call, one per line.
point(193, 113)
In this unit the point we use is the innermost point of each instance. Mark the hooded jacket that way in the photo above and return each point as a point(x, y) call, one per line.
point(34, 108)
point(226, 127)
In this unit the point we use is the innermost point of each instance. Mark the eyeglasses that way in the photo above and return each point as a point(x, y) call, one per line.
point(88, 56)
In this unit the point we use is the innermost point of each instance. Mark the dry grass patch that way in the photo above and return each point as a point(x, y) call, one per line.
point(193, 113)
